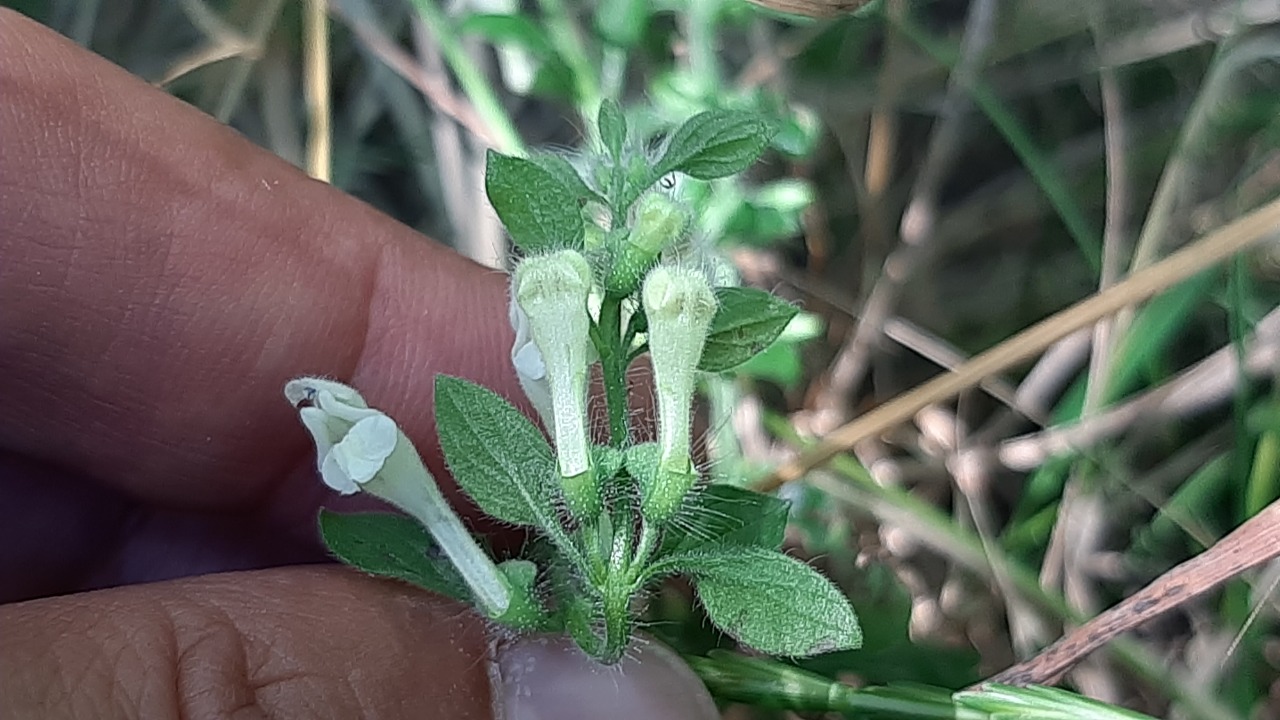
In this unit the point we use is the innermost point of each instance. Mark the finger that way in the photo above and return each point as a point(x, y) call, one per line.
point(309, 643)
point(281, 643)
point(163, 278)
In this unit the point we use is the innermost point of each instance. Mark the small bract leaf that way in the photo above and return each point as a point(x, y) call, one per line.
point(496, 455)
point(728, 515)
point(391, 546)
point(537, 209)
point(526, 611)
point(613, 128)
point(771, 602)
point(746, 322)
point(607, 460)
point(714, 144)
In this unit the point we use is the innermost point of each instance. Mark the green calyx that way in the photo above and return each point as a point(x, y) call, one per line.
point(659, 223)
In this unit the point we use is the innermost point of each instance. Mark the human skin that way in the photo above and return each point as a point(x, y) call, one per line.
point(160, 280)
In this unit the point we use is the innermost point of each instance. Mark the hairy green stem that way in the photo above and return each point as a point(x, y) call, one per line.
point(613, 365)
point(644, 549)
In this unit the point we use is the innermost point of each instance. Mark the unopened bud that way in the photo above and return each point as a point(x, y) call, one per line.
point(659, 223)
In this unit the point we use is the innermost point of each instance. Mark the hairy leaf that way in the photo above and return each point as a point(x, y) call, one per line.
point(613, 128)
point(537, 209)
point(566, 174)
point(771, 602)
point(728, 515)
point(714, 144)
point(746, 322)
point(495, 453)
point(391, 546)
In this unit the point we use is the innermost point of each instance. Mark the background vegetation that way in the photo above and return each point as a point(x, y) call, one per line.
point(947, 173)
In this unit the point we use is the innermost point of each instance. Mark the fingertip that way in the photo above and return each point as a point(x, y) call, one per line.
point(547, 677)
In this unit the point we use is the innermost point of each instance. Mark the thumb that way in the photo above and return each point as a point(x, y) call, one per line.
point(309, 643)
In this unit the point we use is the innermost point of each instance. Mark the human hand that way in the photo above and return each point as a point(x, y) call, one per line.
point(160, 280)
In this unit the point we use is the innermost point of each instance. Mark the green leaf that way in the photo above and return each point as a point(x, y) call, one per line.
point(727, 515)
point(566, 174)
point(539, 211)
point(780, 362)
point(771, 602)
point(714, 144)
point(613, 128)
point(746, 322)
point(496, 455)
point(391, 546)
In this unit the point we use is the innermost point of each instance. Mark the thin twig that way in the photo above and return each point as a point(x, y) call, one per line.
point(940, 352)
point(457, 185)
point(223, 42)
point(259, 32)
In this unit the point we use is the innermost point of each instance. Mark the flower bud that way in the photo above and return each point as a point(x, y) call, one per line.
point(360, 448)
point(552, 291)
point(679, 305)
point(659, 223)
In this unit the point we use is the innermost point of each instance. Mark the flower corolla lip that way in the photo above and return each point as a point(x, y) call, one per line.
point(353, 441)
point(531, 369)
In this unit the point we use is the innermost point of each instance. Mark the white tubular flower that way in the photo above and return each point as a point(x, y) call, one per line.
point(531, 371)
point(360, 448)
point(679, 304)
point(552, 291)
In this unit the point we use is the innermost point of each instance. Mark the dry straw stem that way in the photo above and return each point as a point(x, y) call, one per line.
point(315, 47)
point(1204, 253)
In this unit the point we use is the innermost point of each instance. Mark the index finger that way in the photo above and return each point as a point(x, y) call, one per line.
point(163, 278)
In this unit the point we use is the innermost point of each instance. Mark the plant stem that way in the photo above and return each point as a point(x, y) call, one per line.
point(616, 621)
point(644, 548)
point(616, 593)
point(613, 364)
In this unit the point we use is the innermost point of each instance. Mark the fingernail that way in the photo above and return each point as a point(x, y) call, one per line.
point(546, 677)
